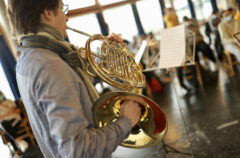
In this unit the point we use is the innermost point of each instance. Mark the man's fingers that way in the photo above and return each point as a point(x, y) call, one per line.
point(134, 98)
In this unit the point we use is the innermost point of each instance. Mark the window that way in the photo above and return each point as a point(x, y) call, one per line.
point(181, 7)
point(75, 4)
point(104, 2)
point(150, 15)
point(4, 85)
point(203, 9)
point(6, 2)
point(86, 23)
point(121, 21)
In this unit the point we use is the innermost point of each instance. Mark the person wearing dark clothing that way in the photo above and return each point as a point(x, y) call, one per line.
point(214, 20)
point(181, 77)
point(208, 32)
point(218, 45)
point(201, 46)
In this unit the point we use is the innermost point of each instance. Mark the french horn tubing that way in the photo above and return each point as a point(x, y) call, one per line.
point(116, 66)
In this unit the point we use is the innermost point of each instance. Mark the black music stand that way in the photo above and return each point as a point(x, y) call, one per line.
point(189, 59)
point(169, 149)
point(237, 36)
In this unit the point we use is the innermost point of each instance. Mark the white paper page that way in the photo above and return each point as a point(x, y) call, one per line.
point(172, 47)
point(140, 52)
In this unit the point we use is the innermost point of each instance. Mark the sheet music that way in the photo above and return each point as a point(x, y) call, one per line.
point(172, 47)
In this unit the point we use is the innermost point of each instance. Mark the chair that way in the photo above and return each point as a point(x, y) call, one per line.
point(22, 129)
point(7, 141)
point(199, 75)
point(188, 73)
point(25, 127)
point(229, 60)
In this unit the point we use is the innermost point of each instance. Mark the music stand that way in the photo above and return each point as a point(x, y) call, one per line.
point(169, 149)
point(189, 40)
point(155, 62)
point(237, 36)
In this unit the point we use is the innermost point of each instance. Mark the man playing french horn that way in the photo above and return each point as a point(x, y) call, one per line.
point(56, 90)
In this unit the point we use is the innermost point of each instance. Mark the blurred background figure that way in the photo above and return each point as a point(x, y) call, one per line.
point(227, 28)
point(201, 45)
point(214, 20)
point(237, 15)
point(170, 17)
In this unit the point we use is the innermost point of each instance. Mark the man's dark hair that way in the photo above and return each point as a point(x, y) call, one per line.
point(24, 15)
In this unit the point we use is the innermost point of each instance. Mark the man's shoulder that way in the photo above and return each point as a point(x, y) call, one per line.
point(41, 65)
point(36, 58)
point(37, 55)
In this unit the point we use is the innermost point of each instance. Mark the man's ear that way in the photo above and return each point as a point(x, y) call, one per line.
point(47, 15)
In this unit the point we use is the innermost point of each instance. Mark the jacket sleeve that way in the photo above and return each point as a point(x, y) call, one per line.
point(63, 100)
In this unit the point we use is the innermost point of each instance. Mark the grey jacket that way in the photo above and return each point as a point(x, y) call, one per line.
point(60, 110)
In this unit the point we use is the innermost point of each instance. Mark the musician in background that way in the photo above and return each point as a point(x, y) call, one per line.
point(57, 92)
point(214, 21)
point(170, 17)
point(201, 45)
point(237, 15)
point(227, 28)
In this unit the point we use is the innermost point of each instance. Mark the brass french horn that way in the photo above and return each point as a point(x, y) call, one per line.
point(116, 66)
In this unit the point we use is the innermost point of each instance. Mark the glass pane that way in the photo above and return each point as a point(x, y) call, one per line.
point(121, 21)
point(203, 9)
point(103, 2)
point(86, 23)
point(75, 4)
point(152, 20)
point(4, 86)
point(182, 9)
point(6, 2)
